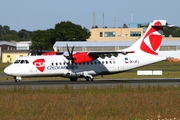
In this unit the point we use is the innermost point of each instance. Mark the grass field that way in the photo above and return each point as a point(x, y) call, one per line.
point(117, 103)
point(113, 103)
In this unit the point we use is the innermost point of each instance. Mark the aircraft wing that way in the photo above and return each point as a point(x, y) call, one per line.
point(44, 52)
point(110, 53)
point(80, 57)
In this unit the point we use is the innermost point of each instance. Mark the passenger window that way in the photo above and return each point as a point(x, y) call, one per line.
point(106, 62)
point(91, 62)
point(114, 62)
point(56, 64)
point(22, 61)
point(60, 63)
point(110, 62)
point(52, 64)
point(26, 61)
point(102, 62)
point(95, 62)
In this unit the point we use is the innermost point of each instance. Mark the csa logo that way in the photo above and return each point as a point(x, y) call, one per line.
point(151, 42)
point(40, 64)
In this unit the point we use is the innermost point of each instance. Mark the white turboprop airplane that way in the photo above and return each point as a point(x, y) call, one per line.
point(89, 64)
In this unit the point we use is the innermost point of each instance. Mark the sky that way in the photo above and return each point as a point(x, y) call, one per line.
point(44, 14)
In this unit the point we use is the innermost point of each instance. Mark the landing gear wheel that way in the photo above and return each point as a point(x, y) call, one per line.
point(89, 79)
point(73, 79)
point(17, 80)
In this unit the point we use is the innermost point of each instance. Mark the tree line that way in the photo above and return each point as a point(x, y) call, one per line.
point(172, 31)
point(45, 39)
point(63, 31)
point(9, 35)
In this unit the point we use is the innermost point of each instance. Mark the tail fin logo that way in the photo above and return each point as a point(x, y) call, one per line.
point(152, 41)
point(40, 64)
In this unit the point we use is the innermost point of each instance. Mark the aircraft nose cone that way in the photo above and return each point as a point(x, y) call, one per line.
point(7, 71)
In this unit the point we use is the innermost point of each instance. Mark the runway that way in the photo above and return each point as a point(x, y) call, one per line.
point(96, 83)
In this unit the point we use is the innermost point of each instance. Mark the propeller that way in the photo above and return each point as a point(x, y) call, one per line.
point(70, 57)
point(70, 54)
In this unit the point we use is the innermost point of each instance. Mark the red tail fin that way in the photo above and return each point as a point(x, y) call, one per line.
point(150, 42)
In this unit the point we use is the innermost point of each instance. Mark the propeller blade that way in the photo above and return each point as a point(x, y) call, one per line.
point(72, 50)
point(68, 49)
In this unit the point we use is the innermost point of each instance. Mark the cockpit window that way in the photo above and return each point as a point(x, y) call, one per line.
point(21, 62)
point(17, 61)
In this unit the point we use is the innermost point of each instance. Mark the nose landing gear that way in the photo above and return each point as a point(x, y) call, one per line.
point(17, 79)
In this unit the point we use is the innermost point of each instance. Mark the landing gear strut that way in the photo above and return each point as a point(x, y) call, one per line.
point(17, 79)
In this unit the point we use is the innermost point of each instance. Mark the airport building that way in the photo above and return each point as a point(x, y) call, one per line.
point(115, 34)
point(131, 33)
point(10, 56)
point(9, 51)
point(5, 45)
point(23, 45)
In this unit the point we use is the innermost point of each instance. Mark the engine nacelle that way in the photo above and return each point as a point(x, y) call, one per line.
point(81, 57)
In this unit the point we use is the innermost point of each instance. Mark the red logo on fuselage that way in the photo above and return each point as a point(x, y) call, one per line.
point(40, 64)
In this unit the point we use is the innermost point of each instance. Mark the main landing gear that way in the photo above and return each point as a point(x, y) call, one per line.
point(17, 79)
point(89, 78)
point(84, 74)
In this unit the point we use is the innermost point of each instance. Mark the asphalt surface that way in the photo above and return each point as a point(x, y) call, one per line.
point(96, 83)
